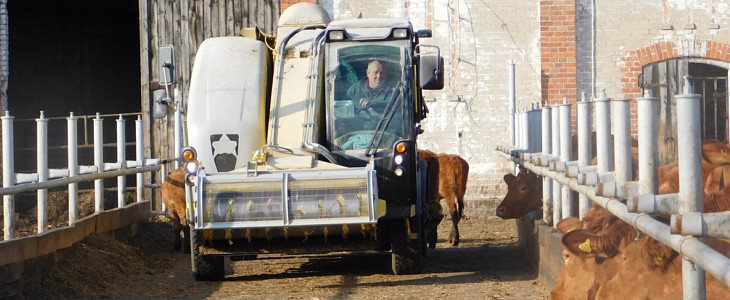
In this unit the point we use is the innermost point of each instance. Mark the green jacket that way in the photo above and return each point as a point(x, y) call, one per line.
point(361, 90)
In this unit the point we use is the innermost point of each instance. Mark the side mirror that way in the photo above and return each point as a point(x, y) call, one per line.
point(424, 33)
point(431, 72)
point(167, 65)
point(159, 105)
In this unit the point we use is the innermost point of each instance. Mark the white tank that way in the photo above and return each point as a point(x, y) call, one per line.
point(226, 102)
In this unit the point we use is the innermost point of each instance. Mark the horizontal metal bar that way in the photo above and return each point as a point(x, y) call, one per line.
point(76, 179)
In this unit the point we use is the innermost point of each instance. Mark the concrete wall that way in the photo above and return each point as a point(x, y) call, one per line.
point(30, 256)
point(542, 246)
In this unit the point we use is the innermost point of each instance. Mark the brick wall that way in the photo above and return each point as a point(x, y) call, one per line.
point(558, 51)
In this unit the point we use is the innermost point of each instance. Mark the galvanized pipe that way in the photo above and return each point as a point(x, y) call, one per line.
point(112, 170)
point(524, 128)
point(122, 160)
point(566, 149)
point(690, 178)
point(42, 168)
point(547, 183)
point(73, 165)
point(648, 154)
point(653, 204)
point(139, 137)
point(622, 139)
point(512, 101)
point(535, 125)
point(98, 162)
point(557, 188)
point(715, 224)
point(604, 155)
point(8, 176)
point(585, 148)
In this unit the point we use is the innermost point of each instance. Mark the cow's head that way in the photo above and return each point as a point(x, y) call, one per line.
point(524, 194)
point(715, 152)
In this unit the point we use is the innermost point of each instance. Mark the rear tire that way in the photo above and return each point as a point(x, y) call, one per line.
point(205, 267)
point(407, 255)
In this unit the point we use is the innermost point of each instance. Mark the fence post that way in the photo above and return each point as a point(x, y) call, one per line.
point(140, 157)
point(512, 103)
point(547, 183)
point(603, 133)
point(42, 168)
point(8, 176)
point(690, 180)
point(585, 146)
point(557, 187)
point(622, 140)
point(566, 150)
point(99, 162)
point(122, 160)
point(648, 107)
point(534, 126)
point(73, 188)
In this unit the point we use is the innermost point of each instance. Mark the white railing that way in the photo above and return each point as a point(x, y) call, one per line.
point(611, 188)
point(45, 178)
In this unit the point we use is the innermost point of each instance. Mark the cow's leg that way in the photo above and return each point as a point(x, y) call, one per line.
point(177, 243)
point(176, 229)
point(455, 217)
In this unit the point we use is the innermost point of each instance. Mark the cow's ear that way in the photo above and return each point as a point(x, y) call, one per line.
point(569, 224)
point(578, 243)
point(509, 178)
point(584, 244)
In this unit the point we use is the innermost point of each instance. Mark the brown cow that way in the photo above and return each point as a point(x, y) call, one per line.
point(524, 191)
point(602, 258)
point(714, 154)
point(453, 175)
point(524, 194)
point(173, 194)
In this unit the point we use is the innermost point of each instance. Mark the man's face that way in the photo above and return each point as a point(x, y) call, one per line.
point(376, 75)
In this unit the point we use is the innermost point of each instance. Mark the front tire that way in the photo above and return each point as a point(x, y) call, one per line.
point(205, 267)
point(407, 255)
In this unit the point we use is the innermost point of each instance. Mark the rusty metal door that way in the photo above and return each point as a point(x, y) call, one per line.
point(665, 79)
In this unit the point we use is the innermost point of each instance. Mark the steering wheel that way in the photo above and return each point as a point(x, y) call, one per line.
point(361, 143)
point(370, 114)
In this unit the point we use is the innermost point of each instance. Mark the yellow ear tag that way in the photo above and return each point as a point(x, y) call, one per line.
point(585, 246)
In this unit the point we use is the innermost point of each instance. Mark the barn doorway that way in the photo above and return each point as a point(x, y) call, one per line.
point(79, 56)
point(709, 79)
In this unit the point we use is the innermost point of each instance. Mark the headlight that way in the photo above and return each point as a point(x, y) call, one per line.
point(398, 171)
point(336, 35)
point(400, 33)
point(191, 167)
point(398, 159)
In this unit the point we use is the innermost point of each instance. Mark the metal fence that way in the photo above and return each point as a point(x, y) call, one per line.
point(542, 143)
point(45, 177)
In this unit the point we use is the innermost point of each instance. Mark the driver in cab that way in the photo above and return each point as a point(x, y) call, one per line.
point(372, 89)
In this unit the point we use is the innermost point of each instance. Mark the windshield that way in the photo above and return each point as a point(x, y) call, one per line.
point(368, 95)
